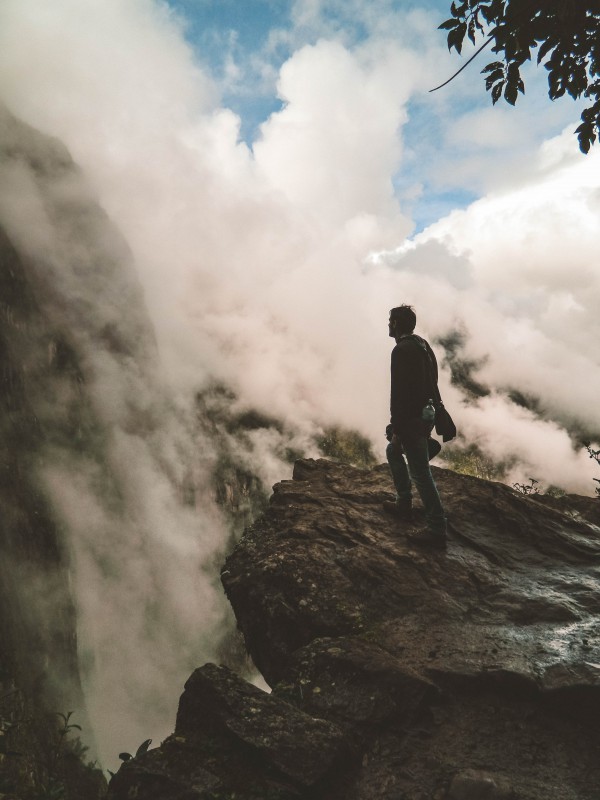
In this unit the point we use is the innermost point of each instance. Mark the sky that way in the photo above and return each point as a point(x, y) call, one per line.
point(283, 176)
point(451, 139)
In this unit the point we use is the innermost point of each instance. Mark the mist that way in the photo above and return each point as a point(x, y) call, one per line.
point(270, 269)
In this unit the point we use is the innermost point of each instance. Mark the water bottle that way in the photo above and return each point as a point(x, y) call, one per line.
point(428, 413)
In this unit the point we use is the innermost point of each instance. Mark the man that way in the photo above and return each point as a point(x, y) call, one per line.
point(414, 380)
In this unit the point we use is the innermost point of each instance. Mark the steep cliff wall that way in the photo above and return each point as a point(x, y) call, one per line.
point(39, 667)
point(58, 254)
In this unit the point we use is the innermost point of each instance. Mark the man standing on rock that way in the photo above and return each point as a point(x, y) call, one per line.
point(414, 386)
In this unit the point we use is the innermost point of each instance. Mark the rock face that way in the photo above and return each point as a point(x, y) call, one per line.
point(399, 672)
point(43, 408)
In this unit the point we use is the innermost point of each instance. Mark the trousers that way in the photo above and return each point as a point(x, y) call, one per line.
point(415, 470)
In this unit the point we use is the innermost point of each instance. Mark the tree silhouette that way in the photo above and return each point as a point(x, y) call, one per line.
point(566, 34)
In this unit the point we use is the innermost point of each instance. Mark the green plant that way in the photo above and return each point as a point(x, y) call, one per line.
point(143, 748)
point(595, 454)
point(471, 460)
point(555, 491)
point(50, 785)
point(125, 757)
point(346, 445)
point(527, 488)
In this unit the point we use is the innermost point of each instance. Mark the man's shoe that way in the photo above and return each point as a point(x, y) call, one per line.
point(401, 510)
point(428, 538)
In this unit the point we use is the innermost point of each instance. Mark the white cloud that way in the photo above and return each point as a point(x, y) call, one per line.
point(519, 269)
point(333, 148)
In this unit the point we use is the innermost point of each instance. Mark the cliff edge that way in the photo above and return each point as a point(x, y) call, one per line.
point(398, 672)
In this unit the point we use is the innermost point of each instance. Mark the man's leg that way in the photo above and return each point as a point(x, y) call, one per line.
point(417, 456)
point(402, 483)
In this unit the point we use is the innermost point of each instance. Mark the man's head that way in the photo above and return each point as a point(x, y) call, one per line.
point(402, 321)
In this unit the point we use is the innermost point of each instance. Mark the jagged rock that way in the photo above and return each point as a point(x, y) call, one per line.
point(475, 784)
point(355, 682)
point(234, 739)
point(43, 411)
point(300, 747)
point(469, 673)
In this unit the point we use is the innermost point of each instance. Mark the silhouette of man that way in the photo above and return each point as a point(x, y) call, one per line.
point(414, 376)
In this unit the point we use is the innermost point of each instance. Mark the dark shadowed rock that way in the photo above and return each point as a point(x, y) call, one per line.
point(300, 747)
point(356, 682)
point(479, 785)
point(473, 673)
point(232, 739)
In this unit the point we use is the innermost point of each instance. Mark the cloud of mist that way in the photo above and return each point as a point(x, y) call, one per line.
point(517, 272)
point(122, 460)
point(258, 272)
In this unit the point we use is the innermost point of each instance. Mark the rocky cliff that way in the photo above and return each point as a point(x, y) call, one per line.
point(46, 414)
point(398, 672)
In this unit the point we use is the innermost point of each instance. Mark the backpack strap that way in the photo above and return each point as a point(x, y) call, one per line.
point(444, 424)
point(434, 389)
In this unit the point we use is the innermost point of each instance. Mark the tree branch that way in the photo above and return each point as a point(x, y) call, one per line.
point(466, 64)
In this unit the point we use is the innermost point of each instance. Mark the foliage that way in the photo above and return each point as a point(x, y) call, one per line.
point(470, 460)
point(125, 757)
point(41, 759)
point(595, 454)
point(527, 488)
point(567, 33)
point(555, 491)
point(348, 446)
point(51, 785)
point(143, 748)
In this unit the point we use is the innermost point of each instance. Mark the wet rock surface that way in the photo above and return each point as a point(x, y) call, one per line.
point(399, 673)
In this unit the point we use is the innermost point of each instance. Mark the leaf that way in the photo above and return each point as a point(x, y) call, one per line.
point(458, 11)
point(495, 65)
point(493, 78)
point(555, 85)
point(448, 24)
point(545, 48)
point(143, 748)
point(496, 92)
point(586, 136)
point(471, 31)
point(125, 756)
point(510, 93)
point(455, 39)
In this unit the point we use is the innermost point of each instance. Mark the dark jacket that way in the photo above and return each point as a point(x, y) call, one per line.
point(414, 374)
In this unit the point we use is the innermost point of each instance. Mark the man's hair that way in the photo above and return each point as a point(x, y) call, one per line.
point(405, 318)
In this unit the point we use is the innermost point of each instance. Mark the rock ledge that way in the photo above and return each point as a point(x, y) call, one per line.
point(397, 672)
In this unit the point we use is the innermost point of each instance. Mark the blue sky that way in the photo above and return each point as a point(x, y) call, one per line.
point(447, 153)
point(220, 30)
